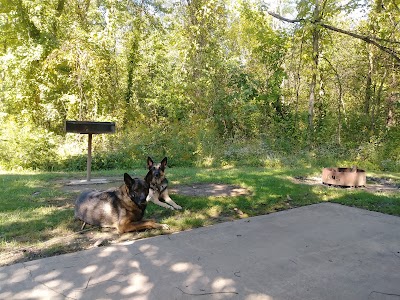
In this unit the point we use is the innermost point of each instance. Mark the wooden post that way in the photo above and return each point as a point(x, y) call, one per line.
point(89, 158)
point(89, 128)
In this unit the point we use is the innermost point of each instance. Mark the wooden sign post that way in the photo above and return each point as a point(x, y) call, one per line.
point(89, 128)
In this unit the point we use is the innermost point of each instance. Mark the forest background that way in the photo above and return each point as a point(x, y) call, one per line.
point(204, 82)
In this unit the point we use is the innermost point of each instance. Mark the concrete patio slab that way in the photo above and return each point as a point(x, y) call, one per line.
point(322, 251)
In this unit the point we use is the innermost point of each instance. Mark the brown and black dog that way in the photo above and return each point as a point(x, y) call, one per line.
point(158, 185)
point(122, 208)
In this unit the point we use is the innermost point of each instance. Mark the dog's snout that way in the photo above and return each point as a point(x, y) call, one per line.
point(142, 197)
point(157, 174)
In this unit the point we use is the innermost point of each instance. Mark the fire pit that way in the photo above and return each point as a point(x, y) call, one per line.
point(344, 177)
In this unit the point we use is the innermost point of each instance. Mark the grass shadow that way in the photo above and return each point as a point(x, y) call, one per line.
point(36, 211)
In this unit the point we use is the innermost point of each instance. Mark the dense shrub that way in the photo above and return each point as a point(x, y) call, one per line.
point(25, 147)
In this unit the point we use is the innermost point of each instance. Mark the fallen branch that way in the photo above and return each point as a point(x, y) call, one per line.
point(387, 294)
point(207, 293)
point(367, 39)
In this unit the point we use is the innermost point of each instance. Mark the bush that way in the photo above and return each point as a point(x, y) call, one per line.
point(26, 147)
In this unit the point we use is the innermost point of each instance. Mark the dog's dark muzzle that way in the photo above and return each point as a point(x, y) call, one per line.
point(140, 201)
point(141, 198)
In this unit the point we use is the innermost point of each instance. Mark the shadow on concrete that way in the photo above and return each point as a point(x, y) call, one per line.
point(323, 251)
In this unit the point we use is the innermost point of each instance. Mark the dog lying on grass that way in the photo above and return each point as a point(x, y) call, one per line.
point(158, 185)
point(122, 208)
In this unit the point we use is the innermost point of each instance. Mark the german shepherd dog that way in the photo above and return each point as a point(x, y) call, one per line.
point(122, 208)
point(158, 185)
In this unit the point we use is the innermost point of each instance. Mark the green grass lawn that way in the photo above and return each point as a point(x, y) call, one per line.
point(36, 212)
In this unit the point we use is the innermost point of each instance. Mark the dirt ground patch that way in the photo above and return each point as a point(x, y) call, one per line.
point(92, 236)
point(193, 190)
point(209, 189)
point(374, 184)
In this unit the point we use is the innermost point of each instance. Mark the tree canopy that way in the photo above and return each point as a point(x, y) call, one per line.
point(202, 81)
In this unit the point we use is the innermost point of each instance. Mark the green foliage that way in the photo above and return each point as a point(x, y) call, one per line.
point(27, 147)
point(203, 82)
point(389, 150)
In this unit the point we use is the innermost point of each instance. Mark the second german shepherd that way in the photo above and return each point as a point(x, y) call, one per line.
point(158, 185)
point(122, 208)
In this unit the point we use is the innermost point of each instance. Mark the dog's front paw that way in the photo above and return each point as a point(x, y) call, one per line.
point(165, 226)
point(178, 207)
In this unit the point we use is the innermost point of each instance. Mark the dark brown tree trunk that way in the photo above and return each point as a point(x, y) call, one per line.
point(377, 103)
point(368, 87)
point(298, 81)
point(393, 98)
point(313, 84)
point(340, 103)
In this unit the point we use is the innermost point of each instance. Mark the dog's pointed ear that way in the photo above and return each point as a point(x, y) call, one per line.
point(164, 162)
point(150, 162)
point(129, 181)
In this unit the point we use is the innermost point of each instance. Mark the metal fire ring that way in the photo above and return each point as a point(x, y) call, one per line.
point(344, 177)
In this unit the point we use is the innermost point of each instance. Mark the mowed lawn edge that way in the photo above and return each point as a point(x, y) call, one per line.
point(37, 219)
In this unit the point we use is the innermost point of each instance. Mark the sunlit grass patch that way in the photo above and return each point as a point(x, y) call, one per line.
point(36, 212)
point(388, 203)
point(184, 221)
